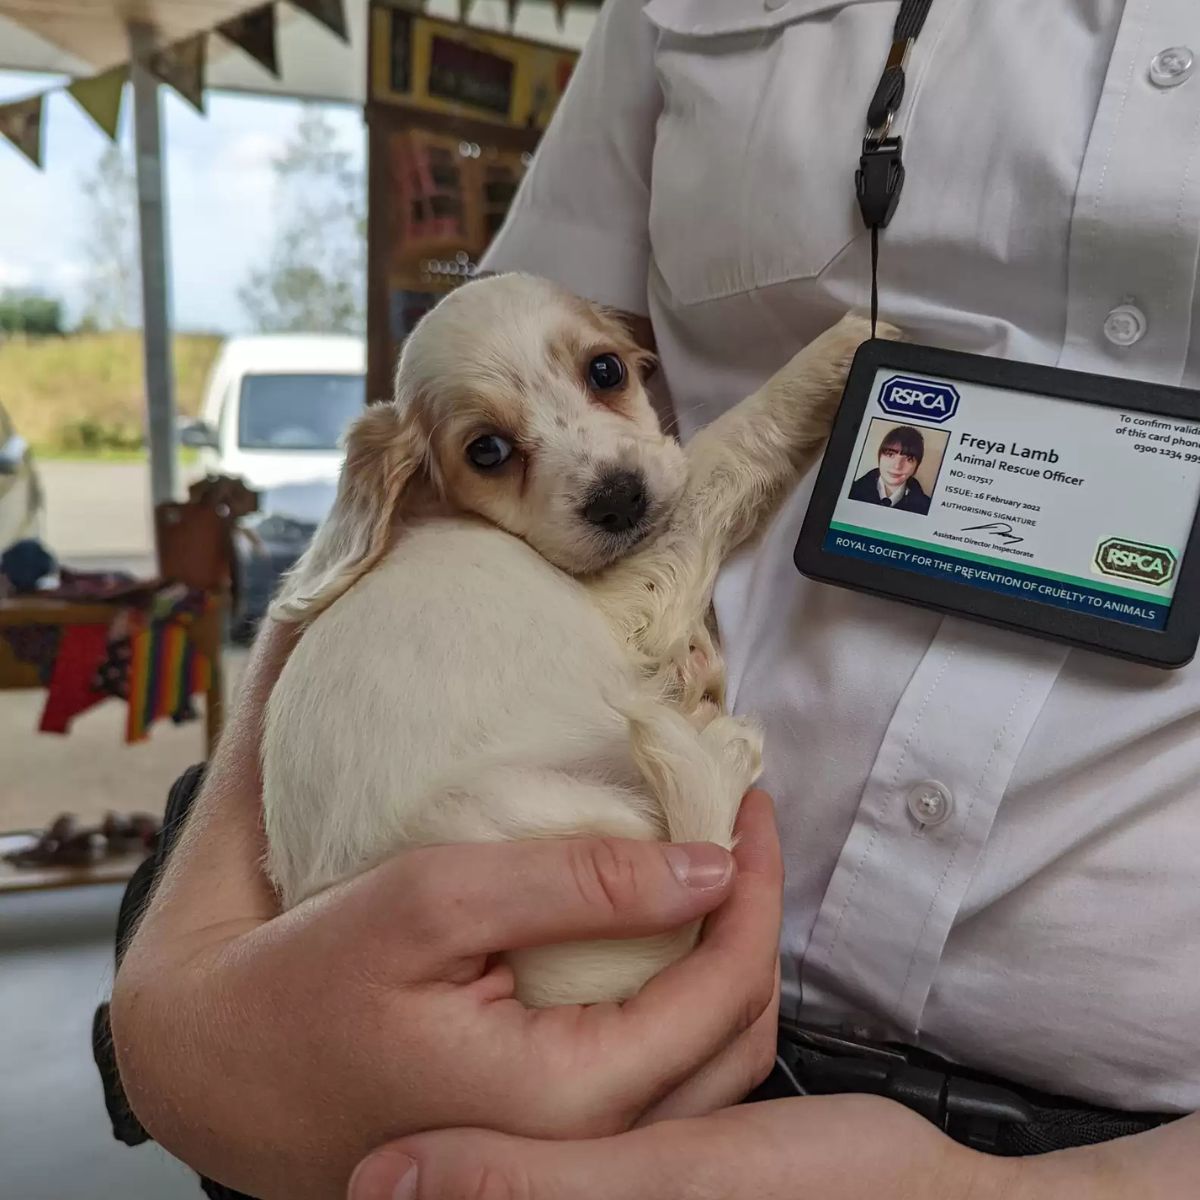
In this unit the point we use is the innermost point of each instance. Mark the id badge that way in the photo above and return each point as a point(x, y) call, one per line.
point(1051, 502)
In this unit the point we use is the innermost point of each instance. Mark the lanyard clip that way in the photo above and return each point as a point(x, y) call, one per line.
point(879, 180)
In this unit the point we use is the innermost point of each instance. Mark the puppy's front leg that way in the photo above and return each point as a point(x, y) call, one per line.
point(739, 468)
point(740, 465)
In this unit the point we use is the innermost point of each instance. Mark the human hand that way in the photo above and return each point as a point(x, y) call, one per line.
point(826, 1147)
point(377, 1008)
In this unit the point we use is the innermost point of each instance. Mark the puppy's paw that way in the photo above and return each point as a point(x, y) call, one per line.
point(740, 743)
point(852, 330)
point(857, 326)
point(702, 714)
point(816, 376)
point(842, 341)
point(889, 332)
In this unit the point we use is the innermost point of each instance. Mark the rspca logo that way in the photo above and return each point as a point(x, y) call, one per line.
point(1135, 560)
point(918, 399)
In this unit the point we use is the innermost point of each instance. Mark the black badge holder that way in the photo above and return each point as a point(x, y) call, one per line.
point(1171, 645)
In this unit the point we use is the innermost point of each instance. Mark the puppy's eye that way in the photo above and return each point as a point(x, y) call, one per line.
point(489, 452)
point(606, 371)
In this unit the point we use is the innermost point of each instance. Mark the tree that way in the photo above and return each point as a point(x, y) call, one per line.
point(314, 279)
point(110, 288)
point(30, 313)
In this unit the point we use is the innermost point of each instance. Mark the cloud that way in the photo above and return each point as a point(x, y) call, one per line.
point(68, 274)
point(220, 190)
point(253, 150)
point(14, 275)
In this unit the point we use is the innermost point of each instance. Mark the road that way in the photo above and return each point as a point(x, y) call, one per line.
point(98, 515)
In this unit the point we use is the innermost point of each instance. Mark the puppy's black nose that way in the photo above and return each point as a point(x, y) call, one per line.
point(618, 502)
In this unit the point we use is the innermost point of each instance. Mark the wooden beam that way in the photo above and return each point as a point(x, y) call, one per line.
point(156, 282)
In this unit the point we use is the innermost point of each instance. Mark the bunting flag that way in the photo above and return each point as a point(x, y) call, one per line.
point(181, 66)
point(331, 14)
point(100, 97)
point(21, 123)
point(254, 32)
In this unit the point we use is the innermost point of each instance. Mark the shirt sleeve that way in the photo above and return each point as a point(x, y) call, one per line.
point(581, 215)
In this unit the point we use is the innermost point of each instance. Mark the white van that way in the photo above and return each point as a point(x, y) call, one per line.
point(276, 408)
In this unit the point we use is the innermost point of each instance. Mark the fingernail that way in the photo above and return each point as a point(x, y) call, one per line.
point(389, 1175)
point(700, 865)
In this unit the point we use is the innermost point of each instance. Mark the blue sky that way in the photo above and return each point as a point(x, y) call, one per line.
point(219, 188)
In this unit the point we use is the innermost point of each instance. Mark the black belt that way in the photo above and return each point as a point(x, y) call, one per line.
point(979, 1110)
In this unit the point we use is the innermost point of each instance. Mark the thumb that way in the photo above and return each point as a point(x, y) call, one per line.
point(468, 1164)
point(463, 900)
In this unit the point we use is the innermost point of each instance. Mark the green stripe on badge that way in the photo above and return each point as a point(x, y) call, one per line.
point(880, 535)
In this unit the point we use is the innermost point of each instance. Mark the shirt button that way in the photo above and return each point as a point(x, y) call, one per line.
point(1126, 325)
point(1172, 67)
point(930, 803)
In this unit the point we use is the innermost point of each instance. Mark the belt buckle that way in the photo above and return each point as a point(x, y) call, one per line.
point(970, 1112)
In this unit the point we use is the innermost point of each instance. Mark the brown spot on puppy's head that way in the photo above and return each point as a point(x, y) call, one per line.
point(539, 420)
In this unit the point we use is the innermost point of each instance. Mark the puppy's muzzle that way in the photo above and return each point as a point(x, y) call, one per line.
point(618, 502)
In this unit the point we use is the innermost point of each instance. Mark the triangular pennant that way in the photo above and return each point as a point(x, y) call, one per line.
point(560, 12)
point(331, 14)
point(182, 67)
point(512, 12)
point(21, 123)
point(254, 32)
point(100, 97)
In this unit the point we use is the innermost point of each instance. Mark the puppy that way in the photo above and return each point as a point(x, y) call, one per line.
point(506, 609)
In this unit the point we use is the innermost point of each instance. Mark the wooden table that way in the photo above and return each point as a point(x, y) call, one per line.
point(15, 674)
point(36, 610)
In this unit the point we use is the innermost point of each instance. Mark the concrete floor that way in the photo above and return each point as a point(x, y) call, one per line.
point(56, 947)
point(55, 1139)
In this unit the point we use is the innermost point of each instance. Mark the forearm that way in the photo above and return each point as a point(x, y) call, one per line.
point(168, 1024)
point(1163, 1164)
point(215, 871)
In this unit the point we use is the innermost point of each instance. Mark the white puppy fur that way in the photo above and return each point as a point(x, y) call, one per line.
point(501, 648)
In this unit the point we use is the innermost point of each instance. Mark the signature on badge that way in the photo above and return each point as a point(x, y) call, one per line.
point(999, 532)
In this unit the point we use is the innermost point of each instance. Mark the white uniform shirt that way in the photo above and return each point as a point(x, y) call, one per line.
point(1042, 918)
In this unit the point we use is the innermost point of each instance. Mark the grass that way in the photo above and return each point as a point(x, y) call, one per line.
point(83, 396)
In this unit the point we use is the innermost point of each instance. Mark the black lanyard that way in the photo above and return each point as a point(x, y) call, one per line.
point(880, 176)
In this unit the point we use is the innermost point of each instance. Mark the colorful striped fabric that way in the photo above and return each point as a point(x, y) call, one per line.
point(166, 670)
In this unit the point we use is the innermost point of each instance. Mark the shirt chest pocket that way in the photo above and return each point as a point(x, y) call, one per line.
point(764, 105)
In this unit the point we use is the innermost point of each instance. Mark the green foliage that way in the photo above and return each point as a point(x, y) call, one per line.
point(85, 393)
point(87, 436)
point(35, 316)
point(314, 278)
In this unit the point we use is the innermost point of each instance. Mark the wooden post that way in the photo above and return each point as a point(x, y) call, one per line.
point(156, 292)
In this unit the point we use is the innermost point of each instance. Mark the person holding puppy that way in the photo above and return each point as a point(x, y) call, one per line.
point(989, 841)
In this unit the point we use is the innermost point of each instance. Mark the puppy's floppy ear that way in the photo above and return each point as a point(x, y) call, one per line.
point(385, 453)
